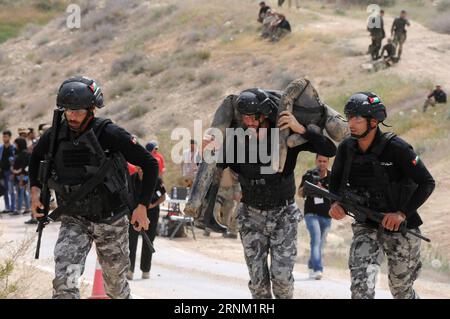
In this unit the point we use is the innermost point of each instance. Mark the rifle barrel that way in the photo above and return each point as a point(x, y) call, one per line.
point(148, 241)
point(418, 235)
point(353, 207)
point(38, 245)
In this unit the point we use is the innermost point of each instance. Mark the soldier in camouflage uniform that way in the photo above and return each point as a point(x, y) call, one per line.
point(302, 116)
point(377, 34)
point(398, 32)
point(268, 217)
point(89, 175)
point(271, 232)
point(73, 245)
point(389, 177)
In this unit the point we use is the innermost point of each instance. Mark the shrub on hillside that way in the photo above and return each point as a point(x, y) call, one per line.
point(38, 107)
point(32, 29)
point(191, 37)
point(384, 3)
point(136, 128)
point(158, 13)
point(441, 23)
point(443, 5)
point(8, 89)
point(281, 79)
point(94, 40)
point(48, 5)
point(212, 92)
point(121, 87)
point(148, 96)
point(137, 111)
point(125, 63)
point(3, 124)
point(58, 51)
point(136, 63)
point(176, 76)
point(43, 41)
point(111, 14)
point(198, 35)
point(206, 77)
point(14, 280)
point(193, 57)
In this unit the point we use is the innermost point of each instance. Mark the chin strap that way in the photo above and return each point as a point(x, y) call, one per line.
point(366, 132)
point(84, 123)
point(87, 120)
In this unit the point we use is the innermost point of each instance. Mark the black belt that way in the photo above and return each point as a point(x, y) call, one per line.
point(280, 203)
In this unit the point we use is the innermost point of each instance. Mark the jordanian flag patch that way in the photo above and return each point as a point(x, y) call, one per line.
point(416, 160)
point(374, 100)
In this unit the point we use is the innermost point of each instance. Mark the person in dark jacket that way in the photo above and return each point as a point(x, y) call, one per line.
point(437, 96)
point(89, 175)
point(281, 28)
point(158, 197)
point(387, 176)
point(20, 171)
point(7, 152)
point(263, 8)
point(398, 31)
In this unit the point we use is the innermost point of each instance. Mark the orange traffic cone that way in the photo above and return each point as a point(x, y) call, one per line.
point(98, 290)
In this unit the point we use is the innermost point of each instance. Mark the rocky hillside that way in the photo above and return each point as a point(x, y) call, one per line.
point(162, 64)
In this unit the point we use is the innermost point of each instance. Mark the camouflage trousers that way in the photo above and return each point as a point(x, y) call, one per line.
point(399, 39)
point(278, 33)
point(72, 247)
point(273, 232)
point(224, 208)
point(428, 102)
point(367, 254)
point(375, 46)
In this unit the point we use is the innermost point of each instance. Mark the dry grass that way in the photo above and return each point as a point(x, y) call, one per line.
point(441, 23)
point(119, 89)
point(392, 89)
point(163, 11)
point(208, 76)
point(192, 57)
point(137, 111)
point(210, 93)
point(38, 107)
point(15, 16)
point(16, 278)
point(137, 128)
point(176, 76)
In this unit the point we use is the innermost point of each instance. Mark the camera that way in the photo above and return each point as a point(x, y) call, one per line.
point(313, 176)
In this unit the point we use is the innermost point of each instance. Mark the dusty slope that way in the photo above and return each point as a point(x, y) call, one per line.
point(195, 52)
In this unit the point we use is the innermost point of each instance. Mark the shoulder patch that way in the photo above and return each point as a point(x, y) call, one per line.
point(416, 160)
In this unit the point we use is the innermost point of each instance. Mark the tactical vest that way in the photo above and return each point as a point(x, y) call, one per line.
point(88, 180)
point(371, 182)
point(268, 192)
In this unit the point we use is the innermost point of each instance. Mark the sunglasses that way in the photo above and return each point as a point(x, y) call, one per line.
point(76, 111)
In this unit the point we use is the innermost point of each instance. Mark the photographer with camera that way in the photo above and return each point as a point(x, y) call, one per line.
point(316, 210)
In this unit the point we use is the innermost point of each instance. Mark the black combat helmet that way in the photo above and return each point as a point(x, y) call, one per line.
point(366, 104)
point(247, 103)
point(255, 101)
point(79, 93)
